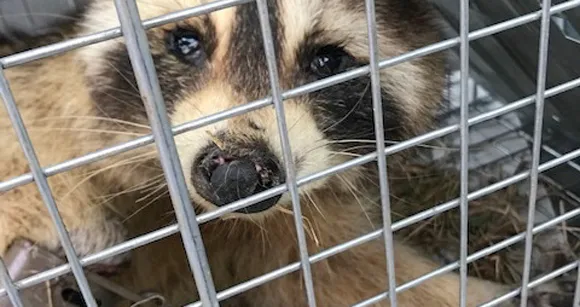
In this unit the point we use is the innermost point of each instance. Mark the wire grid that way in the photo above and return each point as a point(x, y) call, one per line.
point(188, 222)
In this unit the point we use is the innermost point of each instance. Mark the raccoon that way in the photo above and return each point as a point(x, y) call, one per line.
point(88, 99)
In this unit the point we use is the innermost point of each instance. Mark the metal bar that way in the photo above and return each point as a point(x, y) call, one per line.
point(464, 150)
point(537, 145)
point(576, 302)
point(8, 284)
point(563, 270)
point(44, 189)
point(169, 230)
point(376, 88)
point(289, 166)
point(147, 80)
point(304, 89)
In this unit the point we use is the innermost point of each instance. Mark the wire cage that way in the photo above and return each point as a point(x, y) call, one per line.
point(511, 112)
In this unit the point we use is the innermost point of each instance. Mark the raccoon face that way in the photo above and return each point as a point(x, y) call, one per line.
point(212, 63)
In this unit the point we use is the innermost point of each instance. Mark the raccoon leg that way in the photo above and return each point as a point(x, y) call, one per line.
point(442, 290)
point(356, 275)
point(23, 215)
point(359, 274)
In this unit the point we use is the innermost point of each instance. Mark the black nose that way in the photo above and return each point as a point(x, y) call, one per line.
point(223, 178)
point(234, 180)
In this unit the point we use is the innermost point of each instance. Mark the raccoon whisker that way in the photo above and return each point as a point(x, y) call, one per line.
point(87, 26)
point(389, 142)
point(324, 143)
point(98, 118)
point(128, 103)
point(351, 110)
point(369, 133)
point(307, 226)
point(137, 159)
point(225, 232)
point(145, 206)
point(327, 142)
point(134, 164)
point(356, 187)
point(143, 186)
point(132, 104)
point(313, 203)
point(348, 154)
point(149, 3)
point(108, 197)
point(253, 221)
point(158, 188)
point(103, 131)
point(152, 201)
point(264, 237)
point(215, 140)
point(130, 160)
point(235, 224)
point(352, 190)
point(116, 89)
point(152, 185)
point(40, 14)
point(112, 66)
point(168, 217)
point(306, 111)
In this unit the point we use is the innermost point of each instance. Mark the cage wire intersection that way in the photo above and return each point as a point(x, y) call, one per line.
point(133, 29)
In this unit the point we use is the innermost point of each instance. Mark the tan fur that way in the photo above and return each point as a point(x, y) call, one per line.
point(61, 122)
point(57, 108)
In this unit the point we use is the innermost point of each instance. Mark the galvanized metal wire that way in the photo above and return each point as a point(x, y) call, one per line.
point(133, 30)
point(380, 142)
point(289, 166)
point(576, 302)
point(148, 83)
point(464, 140)
point(537, 144)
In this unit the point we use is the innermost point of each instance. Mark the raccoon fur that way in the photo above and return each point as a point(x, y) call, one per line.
point(87, 99)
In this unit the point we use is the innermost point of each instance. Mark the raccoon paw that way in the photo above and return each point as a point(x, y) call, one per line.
point(96, 238)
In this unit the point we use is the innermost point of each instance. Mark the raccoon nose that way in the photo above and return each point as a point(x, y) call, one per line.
point(234, 180)
point(227, 179)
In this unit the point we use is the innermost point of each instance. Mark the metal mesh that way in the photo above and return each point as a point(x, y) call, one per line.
point(188, 222)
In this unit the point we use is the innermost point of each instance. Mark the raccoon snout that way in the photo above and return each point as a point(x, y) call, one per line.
point(222, 178)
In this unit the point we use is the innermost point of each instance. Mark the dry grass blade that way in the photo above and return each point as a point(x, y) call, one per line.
point(493, 218)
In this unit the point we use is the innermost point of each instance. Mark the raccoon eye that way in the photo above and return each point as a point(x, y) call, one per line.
point(330, 60)
point(186, 45)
